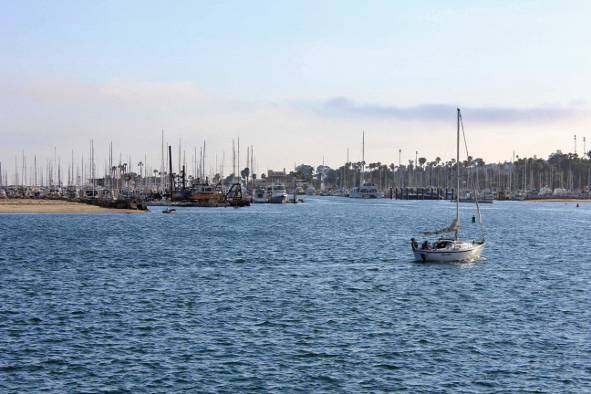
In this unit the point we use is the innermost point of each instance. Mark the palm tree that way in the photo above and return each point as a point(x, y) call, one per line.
point(379, 168)
point(480, 164)
point(244, 173)
point(437, 161)
point(392, 168)
point(421, 163)
point(140, 165)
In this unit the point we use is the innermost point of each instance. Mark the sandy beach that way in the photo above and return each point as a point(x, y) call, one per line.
point(564, 200)
point(21, 205)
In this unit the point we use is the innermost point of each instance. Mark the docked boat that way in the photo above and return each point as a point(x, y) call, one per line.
point(259, 195)
point(480, 201)
point(235, 198)
point(473, 197)
point(277, 194)
point(366, 190)
point(207, 195)
point(452, 248)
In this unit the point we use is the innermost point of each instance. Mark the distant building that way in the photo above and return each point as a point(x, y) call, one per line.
point(277, 177)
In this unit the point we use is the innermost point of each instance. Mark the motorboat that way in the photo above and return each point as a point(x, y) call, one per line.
point(259, 195)
point(277, 194)
point(366, 190)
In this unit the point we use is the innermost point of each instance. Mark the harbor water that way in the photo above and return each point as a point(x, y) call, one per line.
point(315, 297)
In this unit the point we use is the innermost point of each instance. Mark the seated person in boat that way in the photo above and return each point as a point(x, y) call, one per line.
point(426, 245)
point(442, 244)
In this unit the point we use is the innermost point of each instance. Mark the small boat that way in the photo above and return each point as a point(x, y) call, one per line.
point(169, 210)
point(451, 249)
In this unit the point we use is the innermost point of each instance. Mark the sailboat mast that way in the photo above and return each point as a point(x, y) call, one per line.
point(458, 178)
point(362, 162)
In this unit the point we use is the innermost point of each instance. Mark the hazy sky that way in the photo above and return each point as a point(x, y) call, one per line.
point(299, 81)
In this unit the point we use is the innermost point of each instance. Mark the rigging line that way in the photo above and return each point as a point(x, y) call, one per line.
point(475, 195)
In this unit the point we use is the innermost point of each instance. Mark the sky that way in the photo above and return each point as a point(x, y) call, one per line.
point(299, 82)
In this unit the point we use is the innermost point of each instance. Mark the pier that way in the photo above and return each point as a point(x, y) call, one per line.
point(421, 193)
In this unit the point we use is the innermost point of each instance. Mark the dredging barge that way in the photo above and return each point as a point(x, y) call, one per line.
point(201, 193)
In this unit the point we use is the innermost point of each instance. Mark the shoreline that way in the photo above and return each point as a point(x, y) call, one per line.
point(564, 200)
point(28, 205)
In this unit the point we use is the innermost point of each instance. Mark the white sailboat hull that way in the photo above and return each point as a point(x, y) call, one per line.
point(460, 251)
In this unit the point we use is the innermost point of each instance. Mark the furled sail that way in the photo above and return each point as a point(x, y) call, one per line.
point(453, 227)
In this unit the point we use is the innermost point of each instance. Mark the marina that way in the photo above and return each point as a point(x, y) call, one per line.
point(278, 197)
point(527, 180)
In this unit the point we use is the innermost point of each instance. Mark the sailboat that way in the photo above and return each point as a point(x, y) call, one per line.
point(450, 249)
point(365, 189)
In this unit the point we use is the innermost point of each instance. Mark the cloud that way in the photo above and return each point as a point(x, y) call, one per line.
point(345, 107)
point(116, 93)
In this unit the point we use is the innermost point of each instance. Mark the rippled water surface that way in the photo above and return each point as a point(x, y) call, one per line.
point(303, 298)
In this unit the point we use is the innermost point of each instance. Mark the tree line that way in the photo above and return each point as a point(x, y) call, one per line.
point(566, 171)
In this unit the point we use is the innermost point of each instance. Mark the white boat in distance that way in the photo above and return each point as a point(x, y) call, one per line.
point(277, 194)
point(450, 249)
point(259, 195)
point(366, 190)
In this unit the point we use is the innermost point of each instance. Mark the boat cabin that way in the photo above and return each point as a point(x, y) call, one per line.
point(439, 244)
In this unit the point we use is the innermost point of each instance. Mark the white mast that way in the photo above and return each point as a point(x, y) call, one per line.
point(203, 165)
point(179, 159)
point(162, 161)
point(233, 159)
point(362, 162)
point(458, 180)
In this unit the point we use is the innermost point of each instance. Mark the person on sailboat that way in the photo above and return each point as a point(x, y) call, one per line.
point(414, 244)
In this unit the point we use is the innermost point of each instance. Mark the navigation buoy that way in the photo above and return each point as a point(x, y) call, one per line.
point(473, 219)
